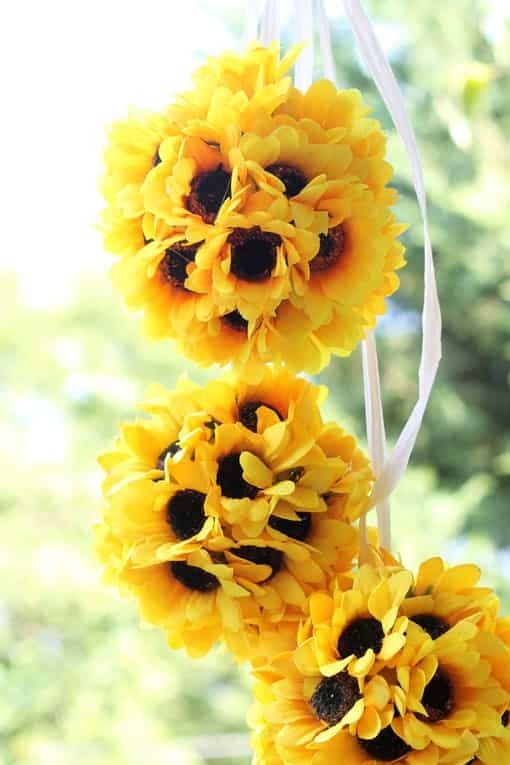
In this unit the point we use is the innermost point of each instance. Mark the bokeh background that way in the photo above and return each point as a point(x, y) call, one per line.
point(80, 681)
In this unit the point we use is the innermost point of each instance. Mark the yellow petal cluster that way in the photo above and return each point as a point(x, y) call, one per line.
point(227, 507)
point(393, 668)
point(252, 222)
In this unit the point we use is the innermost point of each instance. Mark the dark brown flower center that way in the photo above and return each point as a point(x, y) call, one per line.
point(387, 746)
point(266, 556)
point(331, 249)
point(253, 253)
point(334, 697)
point(505, 718)
point(294, 529)
point(230, 479)
point(171, 449)
point(438, 698)
point(235, 321)
point(194, 577)
point(185, 513)
point(248, 414)
point(292, 178)
point(156, 159)
point(359, 636)
point(175, 260)
point(433, 625)
point(208, 192)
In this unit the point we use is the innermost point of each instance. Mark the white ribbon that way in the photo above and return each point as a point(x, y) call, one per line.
point(254, 11)
point(380, 70)
point(303, 68)
point(325, 40)
point(376, 434)
point(271, 26)
point(262, 22)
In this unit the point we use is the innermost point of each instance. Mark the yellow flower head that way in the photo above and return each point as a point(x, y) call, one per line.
point(494, 749)
point(231, 503)
point(131, 153)
point(444, 595)
point(253, 221)
point(230, 88)
point(455, 695)
point(342, 116)
point(368, 684)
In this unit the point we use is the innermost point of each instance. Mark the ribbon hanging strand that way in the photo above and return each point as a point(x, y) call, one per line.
point(271, 23)
point(371, 384)
point(253, 16)
point(380, 70)
point(325, 42)
point(303, 68)
point(376, 433)
point(262, 22)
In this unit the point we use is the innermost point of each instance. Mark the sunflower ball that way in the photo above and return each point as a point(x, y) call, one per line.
point(227, 507)
point(395, 668)
point(251, 221)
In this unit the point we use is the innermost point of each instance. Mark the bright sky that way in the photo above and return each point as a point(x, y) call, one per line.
point(68, 69)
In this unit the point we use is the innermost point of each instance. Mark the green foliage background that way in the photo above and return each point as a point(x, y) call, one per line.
point(79, 680)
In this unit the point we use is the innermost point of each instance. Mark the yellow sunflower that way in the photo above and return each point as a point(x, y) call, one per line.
point(230, 88)
point(461, 695)
point(355, 629)
point(315, 173)
point(367, 684)
point(442, 596)
point(254, 261)
point(326, 158)
point(388, 748)
point(342, 116)
point(495, 749)
point(193, 600)
point(237, 492)
point(323, 686)
point(218, 261)
point(352, 274)
point(142, 447)
point(344, 747)
point(253, 221)
point(132, 151)
point(190, 184)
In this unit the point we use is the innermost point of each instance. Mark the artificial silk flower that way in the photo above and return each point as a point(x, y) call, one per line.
point(229, 89)
point(242, 500)
point(253, 222)
point(381, 673)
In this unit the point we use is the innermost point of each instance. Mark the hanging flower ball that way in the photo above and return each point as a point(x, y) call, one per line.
point(227, 507)
point(393, 669)
point(252, 221)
